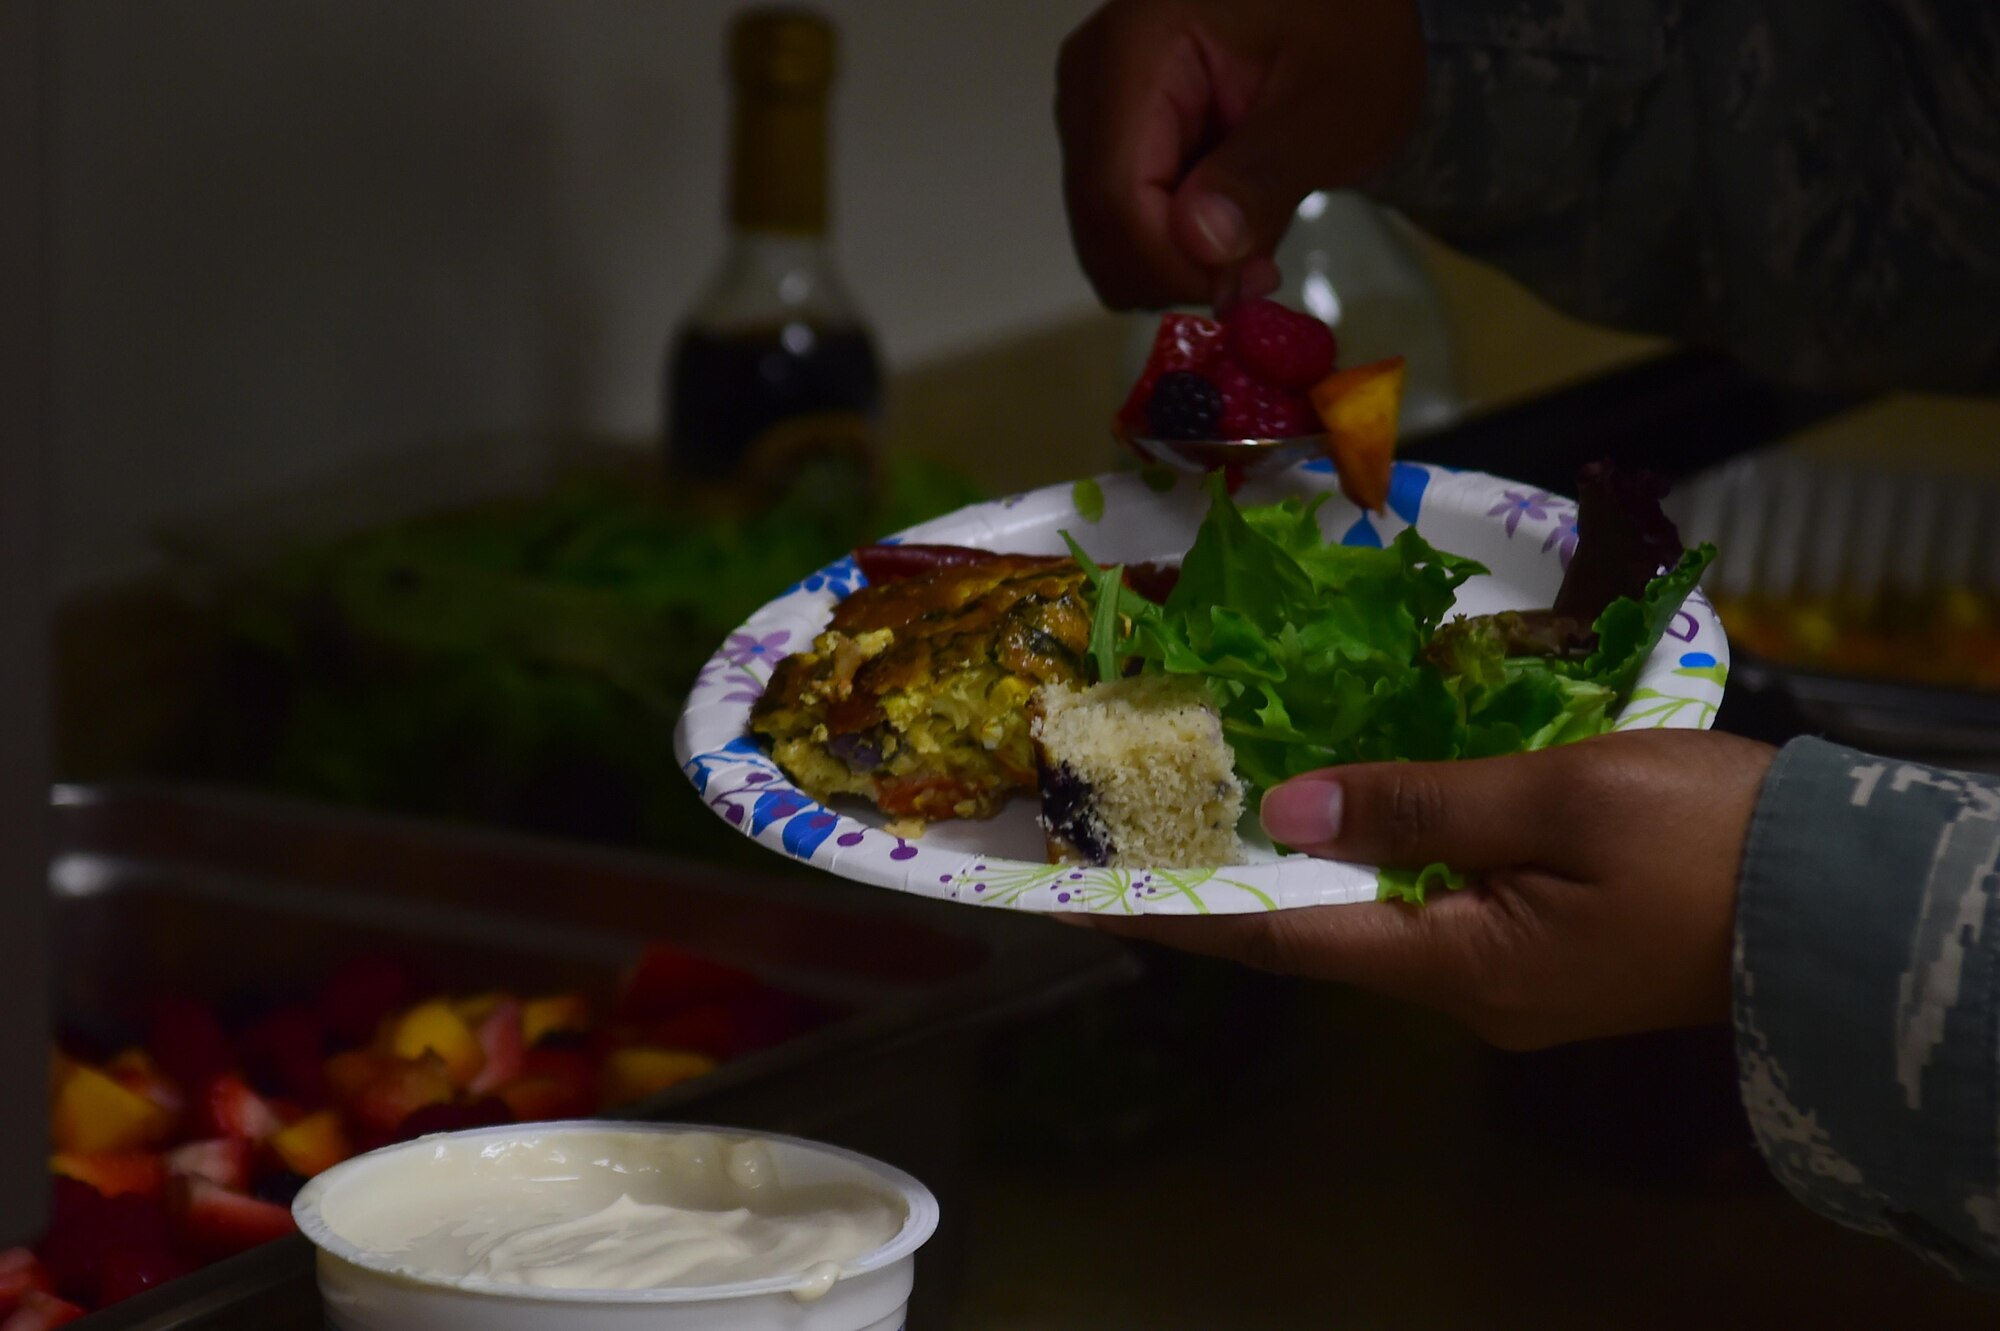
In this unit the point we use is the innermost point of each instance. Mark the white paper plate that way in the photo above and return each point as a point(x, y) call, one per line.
point(1525, 536)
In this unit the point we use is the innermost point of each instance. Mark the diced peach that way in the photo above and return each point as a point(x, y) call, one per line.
point(313, 1145)
point(542, 1099)
point(434, 1028)
point(559, 1012)
point(633, 1074)
point(113, 1173)
point(93, 1113)
point(666, 979)
point(1360, 409)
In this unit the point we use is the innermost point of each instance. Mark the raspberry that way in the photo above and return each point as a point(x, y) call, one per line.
point(1282, 347)
point(1253, 410)
point(1184, 406)
point(1184, 342)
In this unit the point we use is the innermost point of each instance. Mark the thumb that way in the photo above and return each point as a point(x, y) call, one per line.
point(1520, 811)
point(1240, 197)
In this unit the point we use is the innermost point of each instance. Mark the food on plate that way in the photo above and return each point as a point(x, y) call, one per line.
point(191, 1148)
point(915, 696)
point(1318, 654)
point(1243, 377)
point(1136, 771)
point(1184, 694)
point(1267, 372)
point(1360, 408)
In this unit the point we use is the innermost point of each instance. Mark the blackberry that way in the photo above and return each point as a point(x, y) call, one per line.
point(1066, 815)
point(1184, 406)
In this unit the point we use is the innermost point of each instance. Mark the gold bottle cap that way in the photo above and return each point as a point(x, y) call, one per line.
point(782, 49)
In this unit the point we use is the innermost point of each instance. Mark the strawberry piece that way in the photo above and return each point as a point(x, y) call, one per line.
point(568, 1065)
point(488, 1112)
point(218, 1222)
point(229, 1108)
point(1255, 410)
point(223, 1161)
point(285, 1052)
point(134, 1271)
point(20, 1272)
point(667, 980)
point(1184, 342)
point(1280, 347)
point(711, 1029)
point(312, 1145)
point(502, 1040)
point(113, 1173)
point(187, 1042)
point(38, 1311)
point(361, 995)
point(546, 1099)
point(86, 1228)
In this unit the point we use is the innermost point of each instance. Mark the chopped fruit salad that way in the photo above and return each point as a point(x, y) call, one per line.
point(189, 1145)
point(1267, 372)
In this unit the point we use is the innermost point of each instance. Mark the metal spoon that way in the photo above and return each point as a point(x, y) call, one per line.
point(1246, 455)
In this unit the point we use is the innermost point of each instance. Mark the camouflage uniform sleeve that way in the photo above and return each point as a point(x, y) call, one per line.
point(1811, 185)
point(1867, 997)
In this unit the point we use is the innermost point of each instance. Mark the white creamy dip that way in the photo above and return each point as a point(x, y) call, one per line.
point(611, 1211)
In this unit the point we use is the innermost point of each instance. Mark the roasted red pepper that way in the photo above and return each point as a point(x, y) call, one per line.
point(899, 563)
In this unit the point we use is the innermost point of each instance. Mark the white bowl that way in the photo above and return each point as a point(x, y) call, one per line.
point(365, 1290)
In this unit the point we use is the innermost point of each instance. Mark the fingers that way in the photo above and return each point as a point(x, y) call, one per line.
point(1192, 128)
point(1527, 810)
point(1387, 949)
point(1238, 201)
point(1132, 102)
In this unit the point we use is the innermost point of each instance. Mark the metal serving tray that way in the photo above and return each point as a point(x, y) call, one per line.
point(1789, 526)
point(180, 891)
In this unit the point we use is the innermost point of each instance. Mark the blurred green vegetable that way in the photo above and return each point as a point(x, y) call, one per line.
point(523, 662)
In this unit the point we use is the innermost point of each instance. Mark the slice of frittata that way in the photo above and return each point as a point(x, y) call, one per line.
point(915, 696)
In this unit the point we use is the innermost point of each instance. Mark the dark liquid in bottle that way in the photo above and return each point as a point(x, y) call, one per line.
point(730, 389)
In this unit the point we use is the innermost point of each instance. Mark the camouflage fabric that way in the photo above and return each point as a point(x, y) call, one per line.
point(1868, 997)
point(1812, 185)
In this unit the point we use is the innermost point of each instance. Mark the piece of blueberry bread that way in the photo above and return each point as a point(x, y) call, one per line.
point(1136, 773)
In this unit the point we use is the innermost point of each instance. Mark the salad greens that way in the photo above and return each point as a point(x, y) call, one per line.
point(1318, 654)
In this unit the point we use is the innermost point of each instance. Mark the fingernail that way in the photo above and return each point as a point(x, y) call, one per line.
point(1221, 225)
point(1303, 813)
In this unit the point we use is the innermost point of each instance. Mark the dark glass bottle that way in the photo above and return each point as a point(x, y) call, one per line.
point(774, 372)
